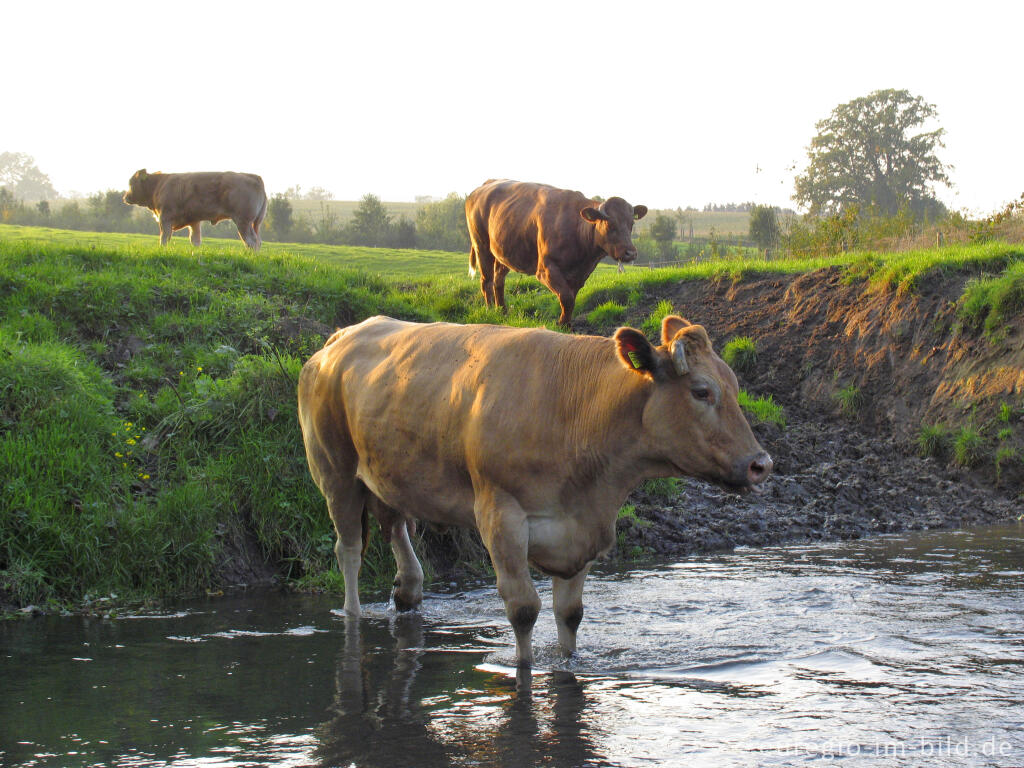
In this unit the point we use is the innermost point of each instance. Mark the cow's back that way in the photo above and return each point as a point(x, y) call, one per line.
point(206, 195)
point(431, 410)
point(512, 219)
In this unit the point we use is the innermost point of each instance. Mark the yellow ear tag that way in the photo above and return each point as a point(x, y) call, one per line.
point(634, 358)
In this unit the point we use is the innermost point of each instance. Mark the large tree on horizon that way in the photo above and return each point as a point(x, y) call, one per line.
point(872, 152)
point(18, 172)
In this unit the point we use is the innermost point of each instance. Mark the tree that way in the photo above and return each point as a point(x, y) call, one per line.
point(370, 222)
point(871, 152)
point(25, 181)
point(441, 225)
point(663, 232)
point(764, 227)
point(279, 211)
point(318, 193)
point(109, 211)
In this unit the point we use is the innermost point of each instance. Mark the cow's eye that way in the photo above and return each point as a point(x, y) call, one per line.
point(701, 393)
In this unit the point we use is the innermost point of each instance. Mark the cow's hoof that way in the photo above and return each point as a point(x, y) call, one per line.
point(403, 602)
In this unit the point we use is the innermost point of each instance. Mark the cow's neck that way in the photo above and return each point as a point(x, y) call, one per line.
point(605, 425)
point(587, 240)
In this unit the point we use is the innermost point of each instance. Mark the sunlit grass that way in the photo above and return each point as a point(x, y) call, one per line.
point(147, 394)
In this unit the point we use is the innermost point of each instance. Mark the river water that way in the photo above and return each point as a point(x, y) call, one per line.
point(901, 650)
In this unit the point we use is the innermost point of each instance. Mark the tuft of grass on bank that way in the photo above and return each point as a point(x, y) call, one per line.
point(763, 409)
point(740, 354)
point(990, 302)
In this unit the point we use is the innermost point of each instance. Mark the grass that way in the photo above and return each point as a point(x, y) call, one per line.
point(851, 399)
point(607, 315)
point(763, 409)
point(663, 487)
point(147, 394)
point(652, 323)
point(933, 440)
point(740, 354)
point(990, 302)
point(968, 447)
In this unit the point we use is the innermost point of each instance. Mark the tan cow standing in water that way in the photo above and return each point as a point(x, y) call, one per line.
point(180, 200)
point(556, 234)
point(532, 437)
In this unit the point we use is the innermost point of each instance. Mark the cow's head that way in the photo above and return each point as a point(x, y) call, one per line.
point(613, 225)
point(140, 188)
point(692, 418)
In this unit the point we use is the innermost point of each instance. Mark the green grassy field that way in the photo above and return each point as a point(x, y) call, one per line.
point(147, 394)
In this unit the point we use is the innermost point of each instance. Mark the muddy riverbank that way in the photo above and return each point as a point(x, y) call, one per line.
point(832, 482)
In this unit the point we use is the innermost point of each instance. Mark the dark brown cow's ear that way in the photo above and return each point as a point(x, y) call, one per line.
point(670, 326)
point(635, 351)
point(593, 215)
point(639, 211)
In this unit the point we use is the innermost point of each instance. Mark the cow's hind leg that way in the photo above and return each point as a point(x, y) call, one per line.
point(195, 233)
point(346, 503)
point(500, 271)
point(247, 233)
point(485, 263)
point(567, 596)
point(408, 591)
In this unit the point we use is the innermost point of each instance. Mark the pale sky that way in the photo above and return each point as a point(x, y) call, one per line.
point(664, 103)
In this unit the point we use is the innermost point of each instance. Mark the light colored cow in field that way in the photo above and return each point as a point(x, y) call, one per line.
point(180, 200)
point(532, 437)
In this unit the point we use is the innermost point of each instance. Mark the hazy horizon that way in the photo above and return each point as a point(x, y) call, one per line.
point(664, 104)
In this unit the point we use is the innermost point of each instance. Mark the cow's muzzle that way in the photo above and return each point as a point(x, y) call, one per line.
point(750, 473)
point(760, 468)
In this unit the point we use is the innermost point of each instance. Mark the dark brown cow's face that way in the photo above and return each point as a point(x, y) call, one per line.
point(693, 418)
point(139, 191)
point(613, 227)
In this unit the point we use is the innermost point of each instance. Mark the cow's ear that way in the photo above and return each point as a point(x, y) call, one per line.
point(670, 326)
point(636, 351)
point(639, 211)
point(593, 215)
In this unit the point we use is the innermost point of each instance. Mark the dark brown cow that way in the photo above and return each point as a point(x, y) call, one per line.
point(180, 200)
point(556, 234)
point(532, 437)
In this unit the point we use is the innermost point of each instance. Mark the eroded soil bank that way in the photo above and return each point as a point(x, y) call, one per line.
point(842, 474)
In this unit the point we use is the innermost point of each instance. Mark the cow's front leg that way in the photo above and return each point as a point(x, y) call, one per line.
point(195, 234)
point(566, 294)
point(567, 596)
point(166, 230)
point(506, 534)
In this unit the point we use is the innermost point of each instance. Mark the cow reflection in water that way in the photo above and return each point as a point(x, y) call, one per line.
point(395, 708)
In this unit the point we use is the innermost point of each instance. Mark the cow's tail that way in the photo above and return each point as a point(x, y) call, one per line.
point(474, 262)
point(260, 215)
